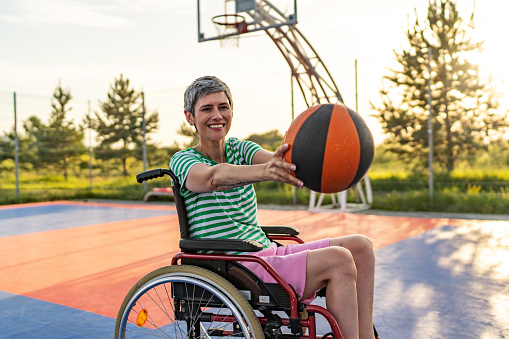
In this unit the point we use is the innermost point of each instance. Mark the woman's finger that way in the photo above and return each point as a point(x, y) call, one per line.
point(287, 178)
point(279, 159)
point(280, 152)
point(281, 163)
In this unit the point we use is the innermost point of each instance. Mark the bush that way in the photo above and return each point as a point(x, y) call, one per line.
point(445, 201)
point(465, 191)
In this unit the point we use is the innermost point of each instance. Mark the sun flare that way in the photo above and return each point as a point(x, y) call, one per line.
point(492, 27)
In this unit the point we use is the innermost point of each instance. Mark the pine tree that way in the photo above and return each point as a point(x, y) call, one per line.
point(464, 105)
point(189, 132)
point(6, 147)
point(58, 143)
point(67, 138)
point(119, 127)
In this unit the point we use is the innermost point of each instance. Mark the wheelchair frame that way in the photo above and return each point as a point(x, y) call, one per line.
point(221, 294)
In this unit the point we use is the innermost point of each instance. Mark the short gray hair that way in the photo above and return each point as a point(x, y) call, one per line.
point(204, 86)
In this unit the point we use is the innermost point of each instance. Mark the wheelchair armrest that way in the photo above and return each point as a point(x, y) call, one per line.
point(283, 230)
point(219, 245)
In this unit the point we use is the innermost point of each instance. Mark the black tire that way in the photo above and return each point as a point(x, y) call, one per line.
point(183, 301)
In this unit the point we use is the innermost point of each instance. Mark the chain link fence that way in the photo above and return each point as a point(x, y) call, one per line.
point(88, 171)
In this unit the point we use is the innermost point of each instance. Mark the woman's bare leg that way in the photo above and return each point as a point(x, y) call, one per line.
point(364, 258)
point(334, 267)
point(347, 269)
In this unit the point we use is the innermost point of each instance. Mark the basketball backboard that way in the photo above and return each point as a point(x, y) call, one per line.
point(220, 19)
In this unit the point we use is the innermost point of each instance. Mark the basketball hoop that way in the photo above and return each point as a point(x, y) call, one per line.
point(229, 27)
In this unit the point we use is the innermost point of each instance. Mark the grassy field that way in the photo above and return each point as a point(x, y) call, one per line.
point(462, 191)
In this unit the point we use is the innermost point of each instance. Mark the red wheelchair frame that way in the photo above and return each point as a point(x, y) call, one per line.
point(294, 314)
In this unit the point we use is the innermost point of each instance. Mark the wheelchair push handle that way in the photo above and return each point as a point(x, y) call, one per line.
point(152, 174)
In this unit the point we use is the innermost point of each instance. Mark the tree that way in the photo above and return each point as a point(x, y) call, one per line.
point(26, 150)
point(120, 126)
point(6, 146)
point(67, 144)
point(6, 152)
point(270, 140)
point(36, 137)
point(60, 142)
point(464, 104)
point(189, 132)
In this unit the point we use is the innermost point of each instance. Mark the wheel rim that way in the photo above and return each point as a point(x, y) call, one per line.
point(156, 295)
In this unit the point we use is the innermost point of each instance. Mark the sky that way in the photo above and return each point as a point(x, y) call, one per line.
point(85, 44)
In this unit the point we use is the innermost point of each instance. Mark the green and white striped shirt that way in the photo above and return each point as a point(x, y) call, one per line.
point(227, 214)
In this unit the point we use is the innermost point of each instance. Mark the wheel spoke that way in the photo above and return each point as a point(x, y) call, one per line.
point(203, 301)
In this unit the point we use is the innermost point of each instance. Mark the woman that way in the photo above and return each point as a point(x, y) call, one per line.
point(217, 177)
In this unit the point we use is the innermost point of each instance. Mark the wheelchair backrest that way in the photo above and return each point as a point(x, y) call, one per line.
point(179, 200)
point(181, 208)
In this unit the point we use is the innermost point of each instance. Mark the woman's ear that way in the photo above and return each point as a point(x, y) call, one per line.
point(189, 117)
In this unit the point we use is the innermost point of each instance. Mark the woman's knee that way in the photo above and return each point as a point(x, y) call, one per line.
point(341, 263)
point(364, 244)
point(357, 244)
point(329, 265)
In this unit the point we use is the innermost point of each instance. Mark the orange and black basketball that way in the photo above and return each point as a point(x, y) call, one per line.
point(332, 147)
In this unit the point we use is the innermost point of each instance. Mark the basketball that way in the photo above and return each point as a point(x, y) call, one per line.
point(332, 147)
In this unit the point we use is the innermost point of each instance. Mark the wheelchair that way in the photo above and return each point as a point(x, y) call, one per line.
point(206, 293)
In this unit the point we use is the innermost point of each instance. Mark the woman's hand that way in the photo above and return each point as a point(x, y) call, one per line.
point(278, 169)
point(267, 166)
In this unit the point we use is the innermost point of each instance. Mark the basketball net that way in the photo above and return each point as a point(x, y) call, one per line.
point(229, 27)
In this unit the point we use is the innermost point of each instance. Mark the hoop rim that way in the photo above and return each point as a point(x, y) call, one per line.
point(226, 16)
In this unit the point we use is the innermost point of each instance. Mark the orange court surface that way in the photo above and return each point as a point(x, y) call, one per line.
point(66, 267)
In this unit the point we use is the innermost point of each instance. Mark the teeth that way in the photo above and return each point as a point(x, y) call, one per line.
point(216, 126)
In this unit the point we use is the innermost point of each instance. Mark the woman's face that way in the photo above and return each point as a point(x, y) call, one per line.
point(212, 116)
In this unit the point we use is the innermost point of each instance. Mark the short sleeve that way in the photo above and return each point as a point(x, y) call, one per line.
point(244, 150)
point(180, 164)
point(249, 148)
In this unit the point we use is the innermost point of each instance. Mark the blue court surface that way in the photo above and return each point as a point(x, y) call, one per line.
point(66, 267)
point(58, 216)
point(24, 317)
point(449, 282)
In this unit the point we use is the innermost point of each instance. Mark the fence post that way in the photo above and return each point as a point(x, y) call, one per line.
point(90, 168)
point(294, 197)
point(144, 146)
point(430, 129)
point(16, 148)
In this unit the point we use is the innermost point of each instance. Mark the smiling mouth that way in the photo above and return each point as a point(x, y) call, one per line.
point(216, 126)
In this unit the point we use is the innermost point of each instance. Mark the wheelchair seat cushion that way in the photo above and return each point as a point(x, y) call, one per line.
point(289, 261)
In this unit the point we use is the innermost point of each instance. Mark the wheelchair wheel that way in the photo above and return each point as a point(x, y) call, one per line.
point(185, 301)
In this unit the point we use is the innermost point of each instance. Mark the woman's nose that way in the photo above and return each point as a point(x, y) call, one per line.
point(216, 114)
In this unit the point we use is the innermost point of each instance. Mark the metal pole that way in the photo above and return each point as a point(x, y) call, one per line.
point(430, 130)
point(356, 94)
point(144, 145)
point(367, 181)
point(294, 198)
point(16, 147)
point(199, 28)
point(359, 188)
point(291, 89)
point(90, 168)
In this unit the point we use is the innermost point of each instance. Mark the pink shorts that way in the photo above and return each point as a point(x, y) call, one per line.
point(289, 261)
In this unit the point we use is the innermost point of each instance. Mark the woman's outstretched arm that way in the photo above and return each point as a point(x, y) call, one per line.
point(267, 166)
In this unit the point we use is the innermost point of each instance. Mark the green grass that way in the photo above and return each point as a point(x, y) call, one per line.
point(446, 201)
point(35, 188)
point(463, 191)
